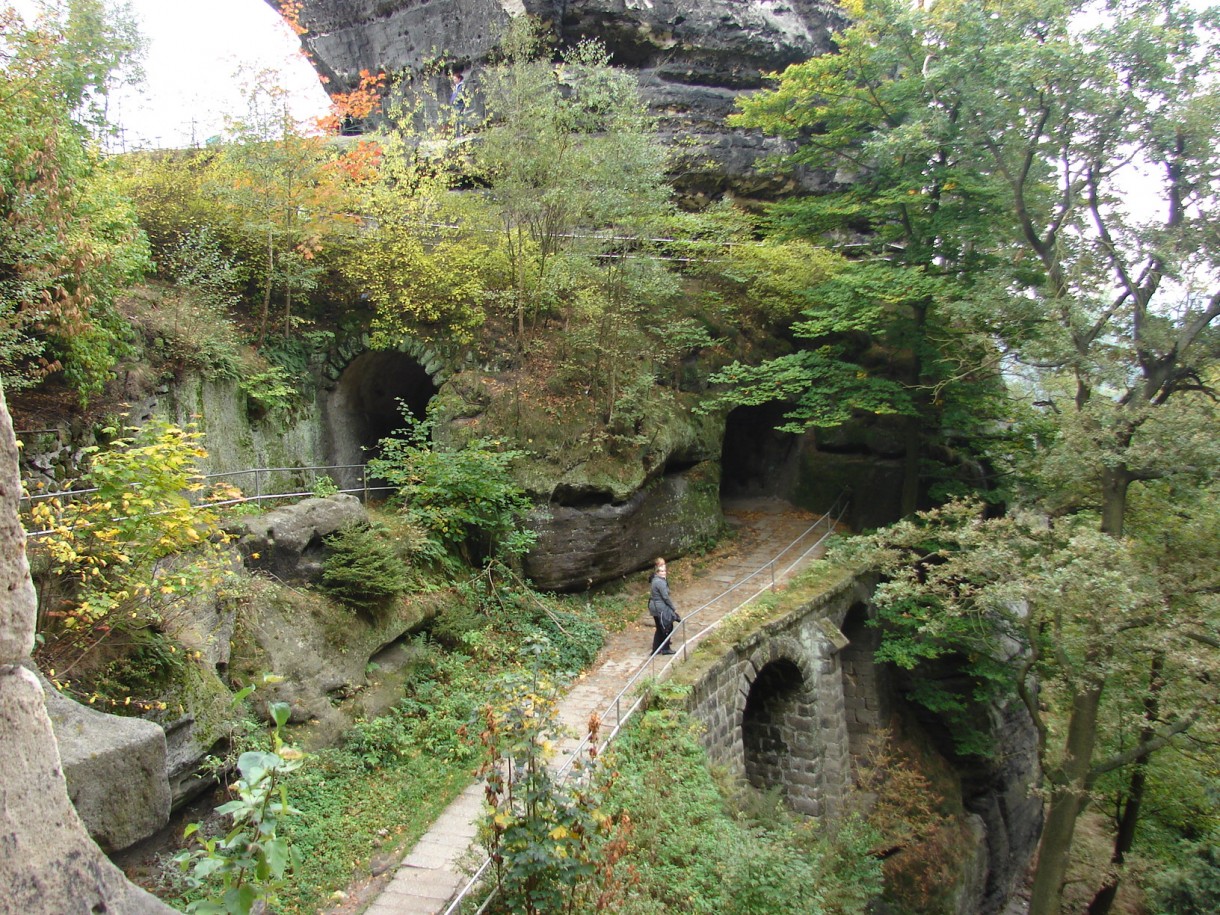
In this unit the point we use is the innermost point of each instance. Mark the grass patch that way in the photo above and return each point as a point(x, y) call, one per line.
point(351, 814)
point(700, 844)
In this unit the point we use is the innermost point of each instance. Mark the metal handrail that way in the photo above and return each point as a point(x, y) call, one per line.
point(615, 706)
point(34, 497)
point(363, 489)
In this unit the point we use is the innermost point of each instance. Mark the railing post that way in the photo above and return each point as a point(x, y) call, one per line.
point(772, 564)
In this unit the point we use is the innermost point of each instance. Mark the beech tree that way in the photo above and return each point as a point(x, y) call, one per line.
point(1008, 146)
point(912, 209)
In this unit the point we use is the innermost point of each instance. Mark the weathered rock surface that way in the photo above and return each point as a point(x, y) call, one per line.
point(319, 649)
point(999, 792)
point(48, 863)
point(287, 541)
point(582, 546)
point(115, 768)
point(693, 59)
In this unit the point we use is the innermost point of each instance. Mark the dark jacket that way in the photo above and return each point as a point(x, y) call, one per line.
point(659, 603)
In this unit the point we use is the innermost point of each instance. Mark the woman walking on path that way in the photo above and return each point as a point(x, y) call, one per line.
point(664, 614)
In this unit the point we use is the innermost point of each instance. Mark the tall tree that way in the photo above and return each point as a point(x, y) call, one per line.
point(913, 211)
point(570, 163)
point(288, 196)
point(1006, 144)
point(68, 240)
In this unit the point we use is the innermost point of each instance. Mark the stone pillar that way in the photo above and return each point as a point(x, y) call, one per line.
point(48, 863)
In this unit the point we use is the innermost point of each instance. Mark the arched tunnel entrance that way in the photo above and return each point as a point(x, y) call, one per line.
point(364, 407)
point(755, 459)
point(778, 731)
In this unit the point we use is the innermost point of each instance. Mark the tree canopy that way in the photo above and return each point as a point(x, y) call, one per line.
point(1001, 148)
point(68, 239)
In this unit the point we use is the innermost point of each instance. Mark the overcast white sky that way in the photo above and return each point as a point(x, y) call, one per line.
point(195, 52)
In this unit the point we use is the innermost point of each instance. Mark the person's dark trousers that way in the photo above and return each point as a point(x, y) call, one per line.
point(661, 634)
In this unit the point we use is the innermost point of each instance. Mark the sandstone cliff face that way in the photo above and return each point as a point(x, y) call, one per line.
point(693, 58)
point(48, 863)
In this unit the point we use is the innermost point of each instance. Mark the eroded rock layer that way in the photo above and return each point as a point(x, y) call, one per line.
point(693, 58)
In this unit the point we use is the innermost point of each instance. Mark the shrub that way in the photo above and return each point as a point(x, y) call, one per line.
point(1193, 889)
point(361, 568)
point(466, 498)
point(694, 851)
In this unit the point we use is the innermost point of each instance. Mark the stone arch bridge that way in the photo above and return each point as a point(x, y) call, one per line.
point(785, 706)
point(795, 695)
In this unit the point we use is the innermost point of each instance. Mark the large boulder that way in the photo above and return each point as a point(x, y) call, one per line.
point(693, 59)
point(48, 863)
point(582, 545)
point(115, 768)
point(287, 541)
point(319, 649)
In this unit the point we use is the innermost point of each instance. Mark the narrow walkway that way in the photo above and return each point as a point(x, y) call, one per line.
point(431, 874)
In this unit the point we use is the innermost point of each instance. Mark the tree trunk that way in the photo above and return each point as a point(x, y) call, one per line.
point(910, 465)
point(1069, 795)
point(1125, 836)
point(266, 315)
point(1114, 484)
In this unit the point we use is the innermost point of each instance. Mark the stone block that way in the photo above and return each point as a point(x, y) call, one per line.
point(48, 864)
point(115, 769)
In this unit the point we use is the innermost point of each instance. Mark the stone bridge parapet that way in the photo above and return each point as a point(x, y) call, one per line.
point(784, 703)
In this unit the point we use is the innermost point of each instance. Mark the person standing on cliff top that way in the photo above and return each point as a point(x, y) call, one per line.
point(664, 613)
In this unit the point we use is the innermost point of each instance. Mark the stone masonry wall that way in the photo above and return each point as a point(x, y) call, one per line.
point(774, 705)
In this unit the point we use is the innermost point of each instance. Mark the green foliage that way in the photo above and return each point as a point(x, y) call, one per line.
point(544, 837)
point(362, 569)
point(426, 263)
point(912, 641)
point(269, 388)
point(324, 487)
point(286, 201)
point(148, 665)
point(1192, 889)
point(68, 238)
point(466, 498)
point(995, 149)
point(693, 849)
point(252, 860)
point(116, 556)
point(1096, 634)
point(433, 717)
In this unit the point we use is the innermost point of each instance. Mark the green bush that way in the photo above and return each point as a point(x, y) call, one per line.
point(466, 499)
point(1194, 888)
point(433, 716)
point(693, 850)
point(361, 568)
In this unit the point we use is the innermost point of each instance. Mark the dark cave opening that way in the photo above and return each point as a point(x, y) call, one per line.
point(755, 458)
point(364, 407)
point(378, 382)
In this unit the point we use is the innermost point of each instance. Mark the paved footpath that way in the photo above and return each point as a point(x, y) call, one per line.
point(429, 877)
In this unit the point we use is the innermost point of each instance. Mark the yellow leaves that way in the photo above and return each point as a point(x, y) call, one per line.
point(559, 833)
